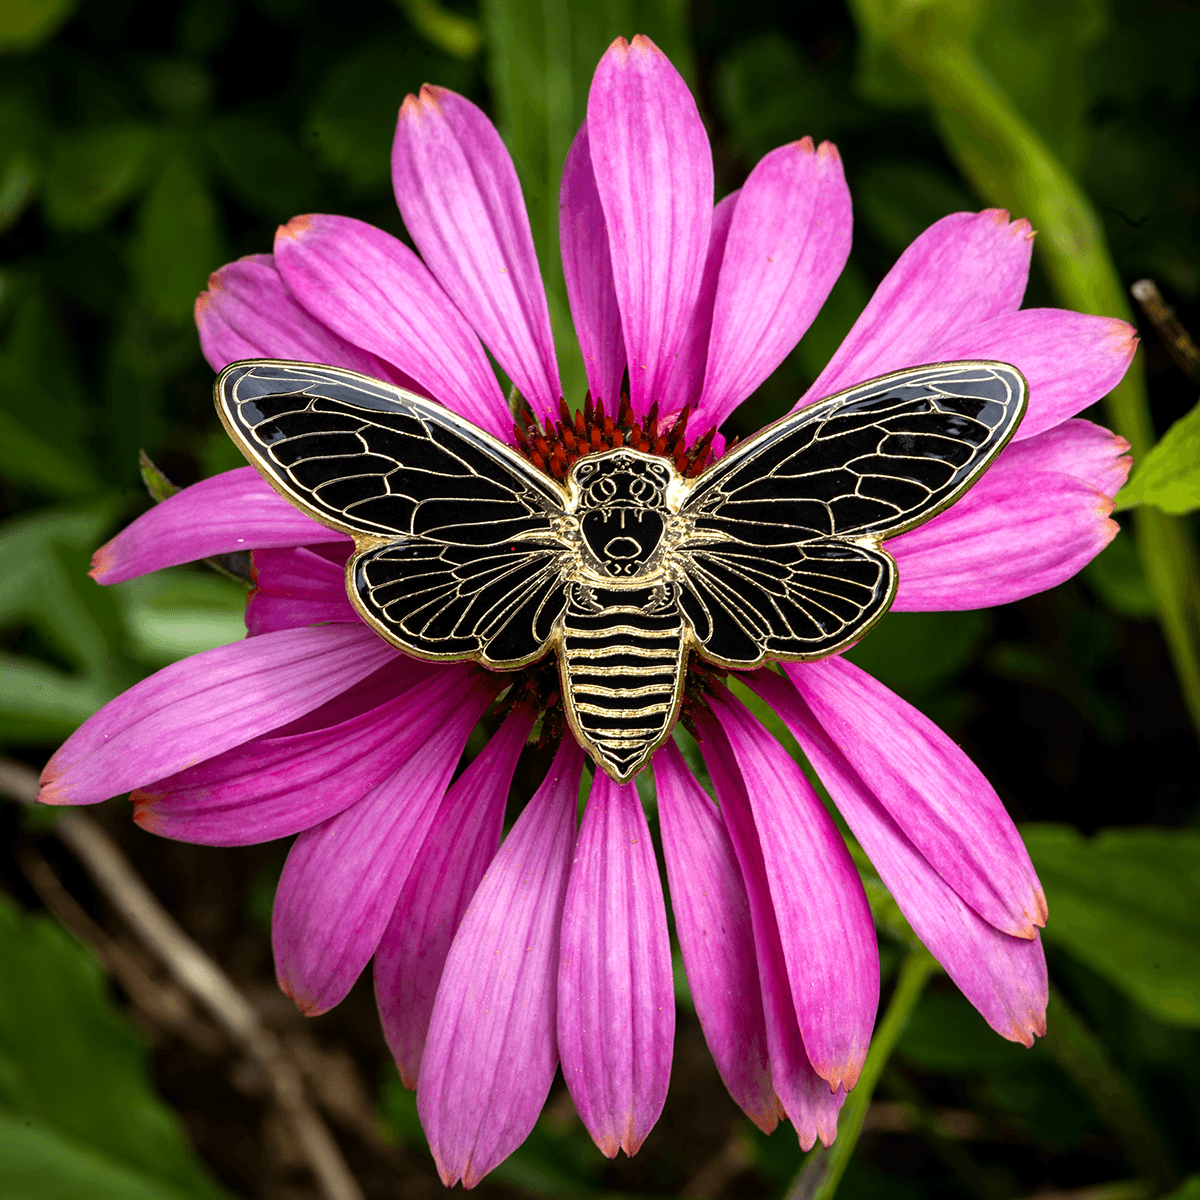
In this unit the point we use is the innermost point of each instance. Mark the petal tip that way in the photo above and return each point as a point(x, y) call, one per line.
point(642, 43)
point(104, 561)
point(296, 227)
point(53, 792)
point(828, 152)
point(144, 805)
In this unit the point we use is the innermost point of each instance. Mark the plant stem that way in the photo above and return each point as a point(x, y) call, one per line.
point(823, 1168)
point(1010, 165)
point(1086, 1061)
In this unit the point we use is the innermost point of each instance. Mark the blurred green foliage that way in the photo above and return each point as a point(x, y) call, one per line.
point(79, 1116)
point(142, 145)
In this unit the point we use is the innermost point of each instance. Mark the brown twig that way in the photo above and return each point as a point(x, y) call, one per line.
point(198, 976)
point(1175, 339)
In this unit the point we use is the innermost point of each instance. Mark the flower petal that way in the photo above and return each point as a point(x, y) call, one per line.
point(297, 587)
point(1004, 977)
point(712, 919)
point(788, 243)
point(805, 1097)
point(461, 843)
point(616, 1001)
point(236, 510)
point(248, 312)
point(931, 789)
point(687, 376)
point(1089, 452)
point(825, 924)
point(963, 270)
point(587, 268)
point(207, 704)
point(653, 169)
point(461, 202)
point(272, 787)
point(343, 877)
point(1069, 359)
point(491, 1054)
point(1016, 532)
point(370, 288)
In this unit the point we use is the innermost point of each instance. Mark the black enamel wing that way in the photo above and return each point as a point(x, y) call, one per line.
point(464, 550)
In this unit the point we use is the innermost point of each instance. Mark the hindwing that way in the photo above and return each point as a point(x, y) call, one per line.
point(783, 556)
point(457, 551)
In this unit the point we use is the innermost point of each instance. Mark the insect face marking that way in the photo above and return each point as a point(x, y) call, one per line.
point(622, 512)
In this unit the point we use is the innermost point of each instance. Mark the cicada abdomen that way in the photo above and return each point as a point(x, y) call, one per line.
point(622, 660)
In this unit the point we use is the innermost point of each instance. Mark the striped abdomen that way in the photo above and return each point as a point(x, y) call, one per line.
point(622, 675)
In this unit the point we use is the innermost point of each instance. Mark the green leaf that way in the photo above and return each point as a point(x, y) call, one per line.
point(43, 414)
point(93, 172)
point(179, 240)
point(1189, 1191)
point(178, 612)
point(1127, 902)
point(41, 704)
point(448, 31)
point(78, 1116)
point(23, 132)
point(1169, 476)
point(26, 24)
point(263, 167)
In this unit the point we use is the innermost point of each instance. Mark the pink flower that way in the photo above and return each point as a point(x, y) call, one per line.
point(495, 960)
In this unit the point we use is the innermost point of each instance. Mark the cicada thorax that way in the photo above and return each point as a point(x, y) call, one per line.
point(623, 648)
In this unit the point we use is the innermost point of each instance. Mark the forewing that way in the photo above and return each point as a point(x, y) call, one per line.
point(876, 460)
point(746, 603)
point(368, 458)
point(457, 556)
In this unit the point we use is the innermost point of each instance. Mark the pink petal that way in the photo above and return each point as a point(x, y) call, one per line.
point(587, 268)
point(491, 1054)
point(461, 843)
point(824, 920)
point(248, 312)
point(207, 704)
point(236, 510)
point(687, 376)
point(654, 173)
point(272, 787)
point(965, 269)
point(616, 1001)
point(461, 202)
point(1069, 359)
point(788, 243)
point(1088, 452)
point(1003, 977)
point(712, 919)
point(297, 587)
point(931, 789)
point(1016, 532)
point(343, 877)
point(805, 1097)
point(370, 288)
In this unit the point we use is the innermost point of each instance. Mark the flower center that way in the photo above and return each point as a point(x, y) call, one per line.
point(589, 431)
